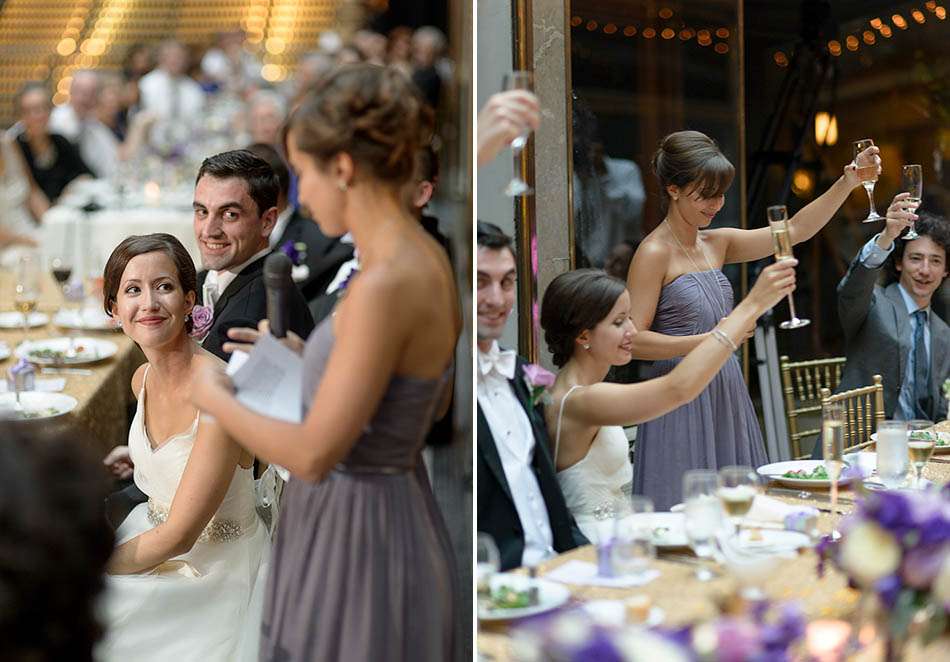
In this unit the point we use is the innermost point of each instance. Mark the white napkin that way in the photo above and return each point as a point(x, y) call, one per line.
point(768, 510)
point(585, 573)
point(54, 385)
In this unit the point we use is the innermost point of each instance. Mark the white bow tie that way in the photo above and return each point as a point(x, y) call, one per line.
point(502, 362)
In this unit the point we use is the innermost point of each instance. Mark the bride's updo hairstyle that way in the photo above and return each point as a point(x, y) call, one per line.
point(139, 245)
point(373, 113)
point(692, 161)
point(573, 302)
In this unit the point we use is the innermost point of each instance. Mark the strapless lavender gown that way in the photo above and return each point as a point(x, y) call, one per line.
point(362, 563)
point(718, 428)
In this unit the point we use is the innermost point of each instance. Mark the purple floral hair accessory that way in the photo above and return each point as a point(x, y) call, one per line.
point(202, 318)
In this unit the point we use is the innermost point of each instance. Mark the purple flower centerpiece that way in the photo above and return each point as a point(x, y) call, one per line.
point(538, 380)
point(896, 546)
point(202, 317)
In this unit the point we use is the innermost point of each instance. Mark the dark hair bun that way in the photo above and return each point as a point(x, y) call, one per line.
point(693, 160)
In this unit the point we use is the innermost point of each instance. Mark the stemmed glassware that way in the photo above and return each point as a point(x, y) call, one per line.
point(782, 243)
point(867, 174)
point(633, 549)
point(487, 564)
point(738, 486)
point(912, 181)
point(27, 293)
point(832, 446)
point(920, 446)
point(703, 515)
point(518, 80)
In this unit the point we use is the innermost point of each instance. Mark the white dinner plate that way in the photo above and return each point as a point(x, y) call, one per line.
point(938, 448)
point(36, 405)
point(776, 470)
point(11, 319)
point(666, 529)
point(551, 595)
point(88, 350)
point(87, 319)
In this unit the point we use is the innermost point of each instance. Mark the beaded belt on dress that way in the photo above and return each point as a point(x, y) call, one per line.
point(218, 530)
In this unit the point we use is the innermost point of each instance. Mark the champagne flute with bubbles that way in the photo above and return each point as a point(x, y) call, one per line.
point(912, 181)
point(867, 174)
point(518, 80)
point(832, 446)
point(782, 243)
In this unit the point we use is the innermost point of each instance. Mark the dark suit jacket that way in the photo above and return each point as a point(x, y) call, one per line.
point(244, 303)
point(497, 515)
point(324, 254)
point(878, 338)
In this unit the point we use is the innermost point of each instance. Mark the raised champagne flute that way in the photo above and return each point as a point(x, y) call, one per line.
point(921, 440)
point(518, 80)
point(27, 289)
point(867, 174)
point(912, 181)
point(737, 488)
point(832, 446)
point(782, 243)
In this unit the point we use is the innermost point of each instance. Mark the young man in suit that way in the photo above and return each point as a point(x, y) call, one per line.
point(519, 501)
point(236, 197)
point(892, 330)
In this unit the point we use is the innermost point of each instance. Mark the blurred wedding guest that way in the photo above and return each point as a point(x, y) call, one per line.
point(363, 566)
point(323, 255)
point(167, 91)
point(399, 49)
point(428, 43)
point(585, 315)
point(502, 119)
point(110, 109)
point(186, 576)
point(519, 501)
point(892, 330)
point(78, 121)
point(232, 68)
point(235, 205)
point(372, 45)
point(137, 62)
point(51, 158)
point(266, 113)
point(679, 294)
point(349, 54)
point(311, 68)
point(21, 205)
point(54, 544)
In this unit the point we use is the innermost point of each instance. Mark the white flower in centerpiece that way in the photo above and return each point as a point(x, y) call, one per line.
point(869, 553)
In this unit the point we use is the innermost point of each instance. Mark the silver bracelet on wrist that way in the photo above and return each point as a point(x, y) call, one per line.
point(723, 338)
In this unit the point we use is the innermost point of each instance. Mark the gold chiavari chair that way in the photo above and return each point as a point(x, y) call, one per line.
point(802, 382)
point(863, 410)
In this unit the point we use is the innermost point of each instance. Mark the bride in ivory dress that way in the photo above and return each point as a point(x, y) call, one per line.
point(186, 578)
point(585, 315)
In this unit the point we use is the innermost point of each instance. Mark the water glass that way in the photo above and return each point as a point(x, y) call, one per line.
point(703, 515)
point(633, 551)
point(893, 457)
point(487, 563)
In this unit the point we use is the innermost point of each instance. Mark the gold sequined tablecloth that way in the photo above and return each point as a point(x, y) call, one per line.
point(100, 418)
point(685, 600)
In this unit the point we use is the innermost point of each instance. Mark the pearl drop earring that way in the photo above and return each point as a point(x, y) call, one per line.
point(586, 346)
point(342, 185)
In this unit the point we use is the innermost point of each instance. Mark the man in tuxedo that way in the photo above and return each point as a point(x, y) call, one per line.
point(235, 203)
point(324, 254)
point(519, 501)
point(892, 330)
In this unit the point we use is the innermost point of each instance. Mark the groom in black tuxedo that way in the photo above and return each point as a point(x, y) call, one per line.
point(519, 501)
point(235, 205)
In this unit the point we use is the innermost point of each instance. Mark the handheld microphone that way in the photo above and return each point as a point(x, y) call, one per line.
point(279, 287)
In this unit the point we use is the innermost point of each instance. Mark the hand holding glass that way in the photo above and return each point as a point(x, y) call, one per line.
point(782, 243)
point(867, 173)
point(912, 181)
point(518, 80)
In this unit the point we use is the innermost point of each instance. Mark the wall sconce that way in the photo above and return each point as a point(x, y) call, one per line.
point(803, 183)
point(826, 129)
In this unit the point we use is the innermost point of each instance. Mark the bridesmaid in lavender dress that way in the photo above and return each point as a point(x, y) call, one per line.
point(362, 566)
point(678, 296)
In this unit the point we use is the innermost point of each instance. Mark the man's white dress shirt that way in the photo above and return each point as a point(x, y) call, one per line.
point(98, 146)
point(216, 282)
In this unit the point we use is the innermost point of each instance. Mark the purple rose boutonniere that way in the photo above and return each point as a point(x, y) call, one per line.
point(538, 380)
point(201, 319)
point(296, 251)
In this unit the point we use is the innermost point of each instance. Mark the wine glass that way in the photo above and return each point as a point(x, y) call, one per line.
point(892, 453)
point(867, 173)
point(703, 515)
point(782, 243)
point(27, 291)
point(633, 549)
point(912, 181)
point(738, 486)
point(832, 446)
point(487, 563)
point(920, 446)
point(518, 80)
